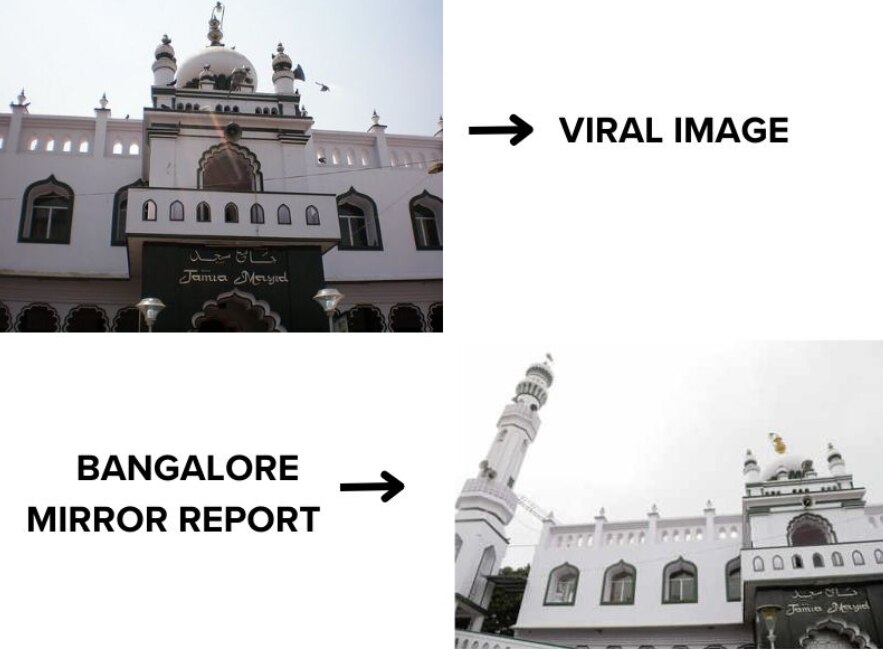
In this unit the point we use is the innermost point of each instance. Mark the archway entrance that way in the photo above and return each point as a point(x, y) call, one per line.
point(835, 633)
point(828, 640)
point(236, 311)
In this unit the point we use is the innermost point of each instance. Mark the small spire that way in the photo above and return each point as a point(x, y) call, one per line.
point(214, 25)
point(166, 40)
point(22, 99)
point(375, 118)
point(103, 101)
point(654, 509)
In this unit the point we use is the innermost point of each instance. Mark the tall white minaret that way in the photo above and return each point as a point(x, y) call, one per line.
point(165, 66)
point(487, 502)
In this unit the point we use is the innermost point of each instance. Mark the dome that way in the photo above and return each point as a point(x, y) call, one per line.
point(793, 464)
point(222, 61)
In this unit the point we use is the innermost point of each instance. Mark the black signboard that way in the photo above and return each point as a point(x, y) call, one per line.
point(231, 288)
point(805, 607)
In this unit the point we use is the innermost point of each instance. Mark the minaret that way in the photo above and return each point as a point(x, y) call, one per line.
point(165, 66)
point(836, 465)
point(487, 502)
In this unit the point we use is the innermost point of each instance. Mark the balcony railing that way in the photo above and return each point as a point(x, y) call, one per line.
point(489, 487)
point(470, 640)
point(282, 217)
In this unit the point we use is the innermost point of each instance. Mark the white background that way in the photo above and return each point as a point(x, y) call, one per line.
point(548, 242)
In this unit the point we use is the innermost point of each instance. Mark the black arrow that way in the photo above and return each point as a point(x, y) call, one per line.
point(519, 131)
point(392, 486)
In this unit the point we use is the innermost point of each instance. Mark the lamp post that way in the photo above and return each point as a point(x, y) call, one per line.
point(328, 299)
point(150, 308)
point(769, 614)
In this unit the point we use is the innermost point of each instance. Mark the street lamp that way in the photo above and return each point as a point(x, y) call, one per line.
point(328, 299)
point(768, 614)
point(150, 308)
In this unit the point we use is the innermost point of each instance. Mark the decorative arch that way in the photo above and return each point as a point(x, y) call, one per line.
point(176, 211)
point(359, 222)
point(778, 563)
point(365, 318)
point(435, 317)
point(37, 317)
point(86, 318)
point(561, 587)
point(852, 633)
point(6, 321)
point(680, 582)
point(810, 529)
point(618, 586)
point(733, 577)
point(404, 318)
point(47, 209)
point(120, 210)
point(127, 320)
point(258, 311)
point(837, 559)
point(426, 219)
point(230, 167)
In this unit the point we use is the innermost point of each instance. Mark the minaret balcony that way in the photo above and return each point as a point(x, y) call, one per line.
point(483, 487)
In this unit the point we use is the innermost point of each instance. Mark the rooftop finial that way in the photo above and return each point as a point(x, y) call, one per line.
point(215, 24)
point(375, 118)
point(21, 97)
point(778, 443)
point(165, 39)
point(103, 101)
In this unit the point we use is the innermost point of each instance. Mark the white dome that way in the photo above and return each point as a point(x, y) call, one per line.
point(222, 59)
point(790, 461)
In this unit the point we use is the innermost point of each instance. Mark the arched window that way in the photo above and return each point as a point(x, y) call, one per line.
point(561, 588)
point(176, 211)
point(797, 561)
point(134, 149)
point(619, 584)
point(878, 556)
point(67, 146)
point(148, 211)
point(757, 564)
point(47, 207)
point(37, 318)
point(203, 213)
point(84, 146)
point(86, 319)
point(312, 215)
point(120, 209)
point(359, 222)
point(365, 318)
point(50, 145)
point(230, 167)
point(809, 529)
point(858, 558)
point(118, 148)
point(405, 318)
point(257, 214)
point(458, 543)
point(836, 559)
point(485, 569)
point(778, 564)
point(127, 319)
point(283, 214)
point(426, 217)
point(435, 318)
point(231, 213)
point(734, 580)
point(817, 560)
point(679, 582)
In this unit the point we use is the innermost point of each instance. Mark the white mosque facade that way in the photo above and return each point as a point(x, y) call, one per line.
point(223, 202)
point(800, 566)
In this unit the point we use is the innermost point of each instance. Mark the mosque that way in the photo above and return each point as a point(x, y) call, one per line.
point(800, 566)
point(223, 204)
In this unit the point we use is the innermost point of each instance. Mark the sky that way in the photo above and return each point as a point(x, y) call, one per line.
point(384, 54)
point(630, 425)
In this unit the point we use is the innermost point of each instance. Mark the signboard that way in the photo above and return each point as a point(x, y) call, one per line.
point(282, 279)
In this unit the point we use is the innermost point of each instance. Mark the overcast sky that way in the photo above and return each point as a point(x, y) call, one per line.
point(627, 426)
point(383, 54)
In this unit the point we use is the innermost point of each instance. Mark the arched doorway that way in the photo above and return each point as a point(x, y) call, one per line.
point(828, 640)
point(835, 633)
point(236, 311)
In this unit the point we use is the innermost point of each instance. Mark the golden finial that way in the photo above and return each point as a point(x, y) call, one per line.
point(778, 443)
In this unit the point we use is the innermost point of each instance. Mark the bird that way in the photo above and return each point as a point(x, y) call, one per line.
point(127, 116)
point(324, 88)
point(323, 160)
